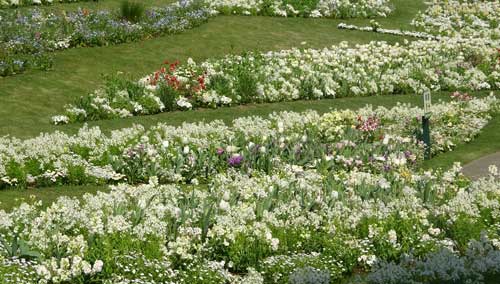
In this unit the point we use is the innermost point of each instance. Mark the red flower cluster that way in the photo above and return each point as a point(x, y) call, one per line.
point(368, 125)
point(461, 97)
point(166, 74)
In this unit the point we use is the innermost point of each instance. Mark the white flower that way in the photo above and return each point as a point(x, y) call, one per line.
point(493, 170)
point(392, 237)
point(384, 184)
point(60, 119)
point(97, 266)
point(434, 231)
point(275, 244)
point(232, 149)
point(43, 272)
point(165, 144)
point(335, 194)
point(224, 206)
point(184, 103)
point(368, 259)
point(86, 268)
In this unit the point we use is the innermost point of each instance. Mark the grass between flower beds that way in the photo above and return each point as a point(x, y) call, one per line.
point(11, 198)
point(29, 100)
point(485, 143)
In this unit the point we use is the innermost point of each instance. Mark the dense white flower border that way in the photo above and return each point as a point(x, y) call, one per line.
point(358, 218)
point(197, 151)
point(374, 27)
point(323, 8)
point(444, 19)
point(466, 19)
point(376, 68)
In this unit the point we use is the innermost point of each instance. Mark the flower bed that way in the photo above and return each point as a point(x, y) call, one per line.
point(28, 37)
point(368, 139)
point(300, 8)
point(292, 224)
point(462, 20)
point(375, 27)
point(18, 3)
point(340, 71)
point(467, 19)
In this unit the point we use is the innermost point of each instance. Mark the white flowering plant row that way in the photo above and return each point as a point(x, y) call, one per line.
point(376, 68)
point(461, 20)
point(304, 8)
point(375, 27)
point(372, 139)
point(261, 228)
point(465, 19)
point(17, 3)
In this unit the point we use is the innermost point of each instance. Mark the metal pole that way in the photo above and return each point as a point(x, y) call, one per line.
point(426, 136)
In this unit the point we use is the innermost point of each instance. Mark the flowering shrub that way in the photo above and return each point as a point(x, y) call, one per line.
point(17, 3)
point(294, 223)
point(376, 68)
point(375, 140)
point(27, 37)
point(301, 8)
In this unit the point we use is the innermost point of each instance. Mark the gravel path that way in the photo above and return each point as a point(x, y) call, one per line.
point(479, 168)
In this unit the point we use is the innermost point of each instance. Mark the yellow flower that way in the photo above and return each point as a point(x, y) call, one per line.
point(405, 174)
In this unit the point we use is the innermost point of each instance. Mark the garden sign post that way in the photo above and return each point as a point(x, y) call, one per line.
point(426, 132)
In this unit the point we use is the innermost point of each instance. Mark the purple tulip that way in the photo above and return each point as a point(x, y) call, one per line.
point(387, 167)
point(235, 160)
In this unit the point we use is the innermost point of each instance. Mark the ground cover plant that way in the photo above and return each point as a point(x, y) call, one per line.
point(376, 68)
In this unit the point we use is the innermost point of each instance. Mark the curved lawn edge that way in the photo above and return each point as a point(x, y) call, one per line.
point(487, 143)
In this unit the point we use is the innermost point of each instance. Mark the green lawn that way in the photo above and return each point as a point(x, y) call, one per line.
point(12, 198)
point(486, 143)
point(29, 100)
